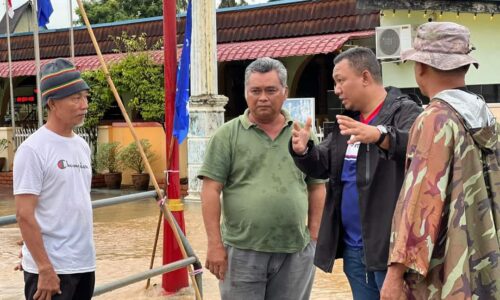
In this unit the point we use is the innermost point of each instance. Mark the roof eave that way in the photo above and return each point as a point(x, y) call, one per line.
point(492, 6)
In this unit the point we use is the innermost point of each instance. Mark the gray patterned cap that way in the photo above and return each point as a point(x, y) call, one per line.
point(442, 45)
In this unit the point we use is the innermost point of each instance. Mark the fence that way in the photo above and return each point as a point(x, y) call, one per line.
point(21, 134)
point(190, 260)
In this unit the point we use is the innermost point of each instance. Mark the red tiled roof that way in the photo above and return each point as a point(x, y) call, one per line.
point(287, 47)
point(83, 63)
point(225, 52)
point(270, 21)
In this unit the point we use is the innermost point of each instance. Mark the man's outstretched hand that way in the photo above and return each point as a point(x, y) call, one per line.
point(19, 266)
point(301, 136)
point(358, 131)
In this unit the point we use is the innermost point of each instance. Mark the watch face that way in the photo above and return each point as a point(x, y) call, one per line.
point(383, 134)
point(382, 129)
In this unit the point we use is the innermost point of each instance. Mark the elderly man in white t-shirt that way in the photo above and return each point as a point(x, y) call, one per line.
point(52, 176)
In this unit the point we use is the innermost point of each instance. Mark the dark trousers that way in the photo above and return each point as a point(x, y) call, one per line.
point(73, 286)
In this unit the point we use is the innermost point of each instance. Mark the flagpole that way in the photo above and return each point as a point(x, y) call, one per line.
point(166, 211)
point(71, 34)
point(37, 63)
point(11, 87)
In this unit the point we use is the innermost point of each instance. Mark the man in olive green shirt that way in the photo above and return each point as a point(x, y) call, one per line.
point(271, 212)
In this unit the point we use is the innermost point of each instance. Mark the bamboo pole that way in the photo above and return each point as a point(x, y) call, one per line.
point(160, 217)
point(166, 212)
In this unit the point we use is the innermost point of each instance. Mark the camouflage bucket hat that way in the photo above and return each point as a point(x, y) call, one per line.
point(442, 45)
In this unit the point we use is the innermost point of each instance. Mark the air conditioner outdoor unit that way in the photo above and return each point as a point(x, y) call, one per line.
point(392, 40)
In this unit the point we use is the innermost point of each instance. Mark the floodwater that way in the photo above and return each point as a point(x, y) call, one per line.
point(124, 236)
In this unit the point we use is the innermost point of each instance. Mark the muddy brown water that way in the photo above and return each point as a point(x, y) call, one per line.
point(124, 236)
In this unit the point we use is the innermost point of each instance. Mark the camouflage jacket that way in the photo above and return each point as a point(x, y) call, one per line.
point(446, 226)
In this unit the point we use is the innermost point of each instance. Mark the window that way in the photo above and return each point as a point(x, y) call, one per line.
point(490, 92)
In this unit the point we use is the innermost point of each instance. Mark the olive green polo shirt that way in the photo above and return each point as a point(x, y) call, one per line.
point(265, 198)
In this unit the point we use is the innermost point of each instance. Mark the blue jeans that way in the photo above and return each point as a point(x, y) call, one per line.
point(364, 285)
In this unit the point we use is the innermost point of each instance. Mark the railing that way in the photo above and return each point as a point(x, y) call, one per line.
point(21, 134)
point(191, 260)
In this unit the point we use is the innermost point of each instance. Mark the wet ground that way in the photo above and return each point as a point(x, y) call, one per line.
point(124, 237)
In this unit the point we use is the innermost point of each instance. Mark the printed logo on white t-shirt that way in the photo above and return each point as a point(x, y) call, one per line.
point(63, 164)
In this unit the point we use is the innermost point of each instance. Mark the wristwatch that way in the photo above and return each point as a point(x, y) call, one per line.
point(383, 133)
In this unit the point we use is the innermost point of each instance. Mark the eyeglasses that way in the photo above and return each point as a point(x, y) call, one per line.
point(270, 91)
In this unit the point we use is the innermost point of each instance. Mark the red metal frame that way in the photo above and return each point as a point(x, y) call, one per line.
point(172, 281)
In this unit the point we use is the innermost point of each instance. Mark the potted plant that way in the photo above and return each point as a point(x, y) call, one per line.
point(99, 102)
point(97, 178)
point(107, 159)
point(132, 159)
point(4, 145)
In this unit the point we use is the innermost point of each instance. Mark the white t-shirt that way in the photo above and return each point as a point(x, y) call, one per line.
point(58, 170)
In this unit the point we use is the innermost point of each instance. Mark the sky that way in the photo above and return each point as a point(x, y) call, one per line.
point(60, 18)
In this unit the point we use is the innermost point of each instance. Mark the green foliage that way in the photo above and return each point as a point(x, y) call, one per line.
point(181, 5)
point(100, 95)
point(105, 11)
point(4, 144)
point(137, 76)
point(101, 99)
point(232, 3)
point(132, 159)
point(107, 158)
point(132, 43)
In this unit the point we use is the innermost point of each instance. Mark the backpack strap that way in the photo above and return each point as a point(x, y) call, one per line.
point(484, 153)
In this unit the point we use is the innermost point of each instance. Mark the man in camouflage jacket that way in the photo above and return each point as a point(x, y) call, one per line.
point(445, 233)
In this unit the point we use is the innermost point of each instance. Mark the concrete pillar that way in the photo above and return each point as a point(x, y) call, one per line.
point(206, 107)
point(203, 49)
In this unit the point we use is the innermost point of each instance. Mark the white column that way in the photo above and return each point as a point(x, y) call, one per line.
point(206, 107)
point(203, 49)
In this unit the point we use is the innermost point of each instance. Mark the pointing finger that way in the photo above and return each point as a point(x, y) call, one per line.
point(296, 126)
point(308, 124)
